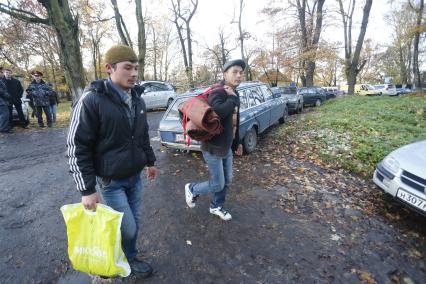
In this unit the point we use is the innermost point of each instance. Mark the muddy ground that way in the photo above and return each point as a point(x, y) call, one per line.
point(293, 221)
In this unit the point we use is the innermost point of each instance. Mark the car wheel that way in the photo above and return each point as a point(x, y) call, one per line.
point(250, 141)
point(285, 115)
point(318, 103)
point(169, 102)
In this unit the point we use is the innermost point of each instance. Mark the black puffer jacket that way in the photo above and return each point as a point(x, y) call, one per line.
point(101, 142)
point(14, 87)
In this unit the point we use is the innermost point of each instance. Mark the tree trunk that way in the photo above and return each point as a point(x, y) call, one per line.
point(309, 39)
point(351, 77)
point(187, 58)
point(246, 71)
point(314, 45)
point(189, 70)
point(66, 27)
point(117, 17)
point(94, 60)
point(416, 69)
point(154, 40)
point(141, 40)
point(402, 67)
point(352, 66)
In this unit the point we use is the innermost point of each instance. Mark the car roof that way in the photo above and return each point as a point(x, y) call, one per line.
point(153, 81)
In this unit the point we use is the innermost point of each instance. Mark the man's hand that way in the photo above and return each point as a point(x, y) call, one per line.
point(89, 201)
point(152, 173)
point(239, 151)
point(229, 90)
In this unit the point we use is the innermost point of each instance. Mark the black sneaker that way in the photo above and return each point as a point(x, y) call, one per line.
point(140, 268)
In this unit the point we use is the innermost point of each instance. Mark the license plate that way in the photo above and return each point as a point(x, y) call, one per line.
point(180, 138)
point(412, 199)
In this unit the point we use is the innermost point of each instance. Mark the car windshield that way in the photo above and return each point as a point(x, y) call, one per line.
point(304, 91)
point(369, 87)
point(289, 91)
point(173, 113)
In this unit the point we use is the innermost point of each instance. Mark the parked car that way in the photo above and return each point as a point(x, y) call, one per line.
point(362, 90)
point(25, 110)
point(312, 96)
point(386, 89)
point(330, 92)
point(157, 94)
point(400, 90)
point(295, 100)
point(402, 174)
point(259, 109)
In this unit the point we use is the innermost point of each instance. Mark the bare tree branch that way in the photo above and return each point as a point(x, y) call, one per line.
point(23, 15)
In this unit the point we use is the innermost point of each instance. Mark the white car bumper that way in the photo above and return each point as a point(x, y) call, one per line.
point(399, 187)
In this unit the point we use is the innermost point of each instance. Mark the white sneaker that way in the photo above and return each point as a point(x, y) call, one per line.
point(189, 197)
point(222, 213)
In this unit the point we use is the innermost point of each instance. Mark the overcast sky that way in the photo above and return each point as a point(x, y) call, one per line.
point(211, 15)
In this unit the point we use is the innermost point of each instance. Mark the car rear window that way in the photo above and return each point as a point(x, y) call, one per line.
point(289, 90)
point(173, 113)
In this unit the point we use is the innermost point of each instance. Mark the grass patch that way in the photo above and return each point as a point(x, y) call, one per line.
point(63, 114)
point(356, 132)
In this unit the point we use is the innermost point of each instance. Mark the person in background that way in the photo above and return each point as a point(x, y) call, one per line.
point(40, 92)
point(54, 102)
point(15, 91)
point(4, 106)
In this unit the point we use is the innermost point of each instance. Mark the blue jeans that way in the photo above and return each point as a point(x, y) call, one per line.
point(53, 112)
point(124, 195)
point(220, 169)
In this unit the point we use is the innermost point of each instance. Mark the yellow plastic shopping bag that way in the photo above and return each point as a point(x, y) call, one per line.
point(94, 240)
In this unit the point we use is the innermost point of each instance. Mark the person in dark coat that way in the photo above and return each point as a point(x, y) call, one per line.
point(4, 106)
point(54, 102)
point(218, 152)
point(14, 88)
point(108, 147)
point(40, 92)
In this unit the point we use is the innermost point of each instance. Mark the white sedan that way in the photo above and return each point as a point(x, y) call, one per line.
point(157, 94)
point(402, 174)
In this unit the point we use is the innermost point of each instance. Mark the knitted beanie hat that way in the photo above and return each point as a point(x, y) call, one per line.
point(120, 53)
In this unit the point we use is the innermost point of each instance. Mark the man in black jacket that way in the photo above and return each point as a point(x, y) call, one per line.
point(108, 146)
point(4, 106)
point(14, 87)
point(217, 152)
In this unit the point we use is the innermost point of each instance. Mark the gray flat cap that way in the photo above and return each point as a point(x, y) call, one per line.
point(238, 62)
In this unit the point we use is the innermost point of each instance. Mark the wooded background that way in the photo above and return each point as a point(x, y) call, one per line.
point(67, 39)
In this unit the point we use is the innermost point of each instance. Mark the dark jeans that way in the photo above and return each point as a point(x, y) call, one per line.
point(21, 116)
point(39, 114)
point(4, 118)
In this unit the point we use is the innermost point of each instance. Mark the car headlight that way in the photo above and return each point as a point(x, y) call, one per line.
point(391, 164)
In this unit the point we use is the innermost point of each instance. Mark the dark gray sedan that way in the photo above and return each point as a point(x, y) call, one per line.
point(259, 110)
point(295, 100)
point(313, 96)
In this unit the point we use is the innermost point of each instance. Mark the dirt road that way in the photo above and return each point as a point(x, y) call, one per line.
point(315, 225)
